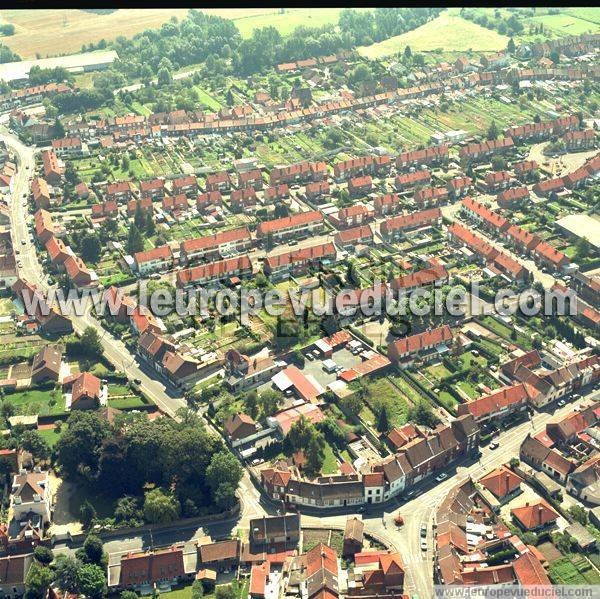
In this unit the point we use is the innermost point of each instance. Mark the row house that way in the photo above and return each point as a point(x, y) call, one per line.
point(349, 239)
point(588, 287)
point(576, 141)
point(514, 197)
point(427, 453)
point(400, 225)
point(219, 181)
point(360, 186)
point(431, 156)
point(482, 151)
point(303, 224)
point(431, 196)
point(498, 405)
point(120, 191)
point(297, 262)
point(32, 95)
point(511, 268)
point(58, 252)
point(364, 165)
point(523, 240)
point(243, 200)
point(388, 203)
point(530, 131)
point(352, 216)
point(465, 237)
point(108, 209)
point(79, 275)
point(524, 169)
point(175, 204)
point(219, 244)
point(252, 178)
point(408, 348)
point(49, 317)
point(53, 169)
point(209, 201)
point(496, 181)
point(67, 147)
point(460, 186)
point(549, 186)
point(577, 179)
point(154, 260)
point(425, 277)
point(550, 257)
point(215, 272)
point(45, 227)
point(410, 180)
point(301, 172)
point(145, 205)
point(483, 216)
point(547, 459)
point(42, 196)
point(276, 192)
point(153, 189)
point(317, 190)
point(187, 185)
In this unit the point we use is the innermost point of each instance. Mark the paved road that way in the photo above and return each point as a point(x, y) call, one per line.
point(166, 397)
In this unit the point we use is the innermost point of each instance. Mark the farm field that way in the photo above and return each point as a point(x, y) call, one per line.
point(446, 32)
point(36, 30)
point(565, 24)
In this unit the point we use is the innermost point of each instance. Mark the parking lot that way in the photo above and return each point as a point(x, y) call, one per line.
point(342, 357)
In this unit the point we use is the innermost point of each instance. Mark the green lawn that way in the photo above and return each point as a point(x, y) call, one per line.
point(35, 401)
point(330, 465)
point(6, 306)
point(564, 24)
point(438, 371)
point(209, 101)
point(131, 402)
point(50, 435)
point(467, 388)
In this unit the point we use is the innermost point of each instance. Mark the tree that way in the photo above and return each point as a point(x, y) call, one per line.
point(66, 569)
point(251, 403)
point(315, 453)
point(43, 555)
point(383, 421)
point(32, 441)
point(352, 404)
point(91, 581)
point(150, 225)
point(87, 513)
point(529, 538)
point(90, 343)
point(164, 76)
point(129, 595)
point(554, 56)
point(564, 543)
point(493, 131)
point(197, 590)
point(269, 401)
point(222, 477)
point(421, 413)
point(91, 248)
point(579, 514)
point(407, 53)
point(135, 241)
point(511, 46)
point(58, 129)
point(582, 248)
point(160, 508)
point(93, 550)
point(225, 591)
point(37, 581)
point(139, 218)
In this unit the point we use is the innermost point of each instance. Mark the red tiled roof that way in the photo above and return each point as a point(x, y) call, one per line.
point(534, 515)
point(501, 482)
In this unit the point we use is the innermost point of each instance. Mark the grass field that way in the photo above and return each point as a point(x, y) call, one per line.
point(446, 32)
point(566, 24)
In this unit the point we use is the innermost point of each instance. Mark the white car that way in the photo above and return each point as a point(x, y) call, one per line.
point(423, 544)
point(441, 477)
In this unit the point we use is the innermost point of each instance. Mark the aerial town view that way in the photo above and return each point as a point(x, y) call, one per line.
point(299, 303)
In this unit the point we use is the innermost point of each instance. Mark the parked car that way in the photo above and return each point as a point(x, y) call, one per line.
point(423, 544)
point(441, 477)
point(310, 356)
point(137, 381)
point(562, 403)
point(494, 445)
point(423, 530)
